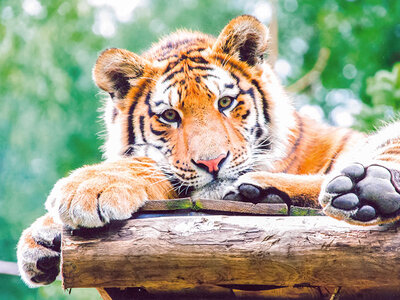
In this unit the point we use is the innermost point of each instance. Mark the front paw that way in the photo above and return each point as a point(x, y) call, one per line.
point(93, 196)
point(363, 195)
point(247, 189)
point(38, 253)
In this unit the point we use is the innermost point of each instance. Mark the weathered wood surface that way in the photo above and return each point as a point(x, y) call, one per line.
point(225, 206)
point(216, 206)
point(177, 253)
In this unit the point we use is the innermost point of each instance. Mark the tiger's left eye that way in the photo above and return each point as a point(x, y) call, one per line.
point(171, 116)
point(225, 102)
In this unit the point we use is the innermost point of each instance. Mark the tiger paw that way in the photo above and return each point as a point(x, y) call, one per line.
point(93, 196)
point(246, 190)
point(363, 195)
point(38, 253)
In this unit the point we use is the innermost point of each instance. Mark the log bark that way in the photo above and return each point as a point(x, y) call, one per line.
point(236, 252)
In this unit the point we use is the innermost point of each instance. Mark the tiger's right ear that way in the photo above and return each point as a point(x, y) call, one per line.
point(116, 70)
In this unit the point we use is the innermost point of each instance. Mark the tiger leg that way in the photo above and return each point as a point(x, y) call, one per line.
point(91, 196)
point(94, 195)
point(364, 188)
point(299, 190)
point(38, 252)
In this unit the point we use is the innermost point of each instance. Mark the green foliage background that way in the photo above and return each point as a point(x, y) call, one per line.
point(48, 103)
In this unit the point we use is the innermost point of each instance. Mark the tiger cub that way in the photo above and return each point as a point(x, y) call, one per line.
point(204, 117)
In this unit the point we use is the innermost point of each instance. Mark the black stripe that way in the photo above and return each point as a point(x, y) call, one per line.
point(259, 131)
point(156, 132)
point(264, 100)
point(158, 103)
point(296, 144)
point(128, 151)
point(171, 65)
point(197, 49)
point(210, 75)
point(114, 114)
point(340, 148)
point(164, 140)
point(198, 60)
point(229, 86)
point(131, 133)
point(147, 102)
point(141, 122)
point(170, 76)
point(191, 68)
point(250, 92)
point(131, 129)
point(232, 64)
point(200, 68)
point(247, 113)
point(166, 57)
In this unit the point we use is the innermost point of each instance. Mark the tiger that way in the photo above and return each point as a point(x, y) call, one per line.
point(207, 117)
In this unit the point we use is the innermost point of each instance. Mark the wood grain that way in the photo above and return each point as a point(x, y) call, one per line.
point(176, 253)
point(215, 206)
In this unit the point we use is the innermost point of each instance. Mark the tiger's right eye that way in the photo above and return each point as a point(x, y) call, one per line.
point(171, 116)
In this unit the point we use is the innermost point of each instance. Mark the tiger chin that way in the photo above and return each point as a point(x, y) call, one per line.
point(206, 117)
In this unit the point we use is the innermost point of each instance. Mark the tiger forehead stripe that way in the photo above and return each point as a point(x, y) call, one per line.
point(221, 83)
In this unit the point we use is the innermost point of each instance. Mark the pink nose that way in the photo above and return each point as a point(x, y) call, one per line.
point(213, 165)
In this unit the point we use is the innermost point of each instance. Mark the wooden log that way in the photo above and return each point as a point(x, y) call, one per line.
point(216, 206)
point(236, 252)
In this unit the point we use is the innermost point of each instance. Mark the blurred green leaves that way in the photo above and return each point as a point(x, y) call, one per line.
point(384, 87)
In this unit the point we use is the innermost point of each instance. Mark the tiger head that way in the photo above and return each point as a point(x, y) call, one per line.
point(206, 110)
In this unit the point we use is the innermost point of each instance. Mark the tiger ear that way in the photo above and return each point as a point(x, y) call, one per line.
point(244, 37)
point(116, 70)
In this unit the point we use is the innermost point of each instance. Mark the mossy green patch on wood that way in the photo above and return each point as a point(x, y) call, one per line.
point(197, 205)
point(305, 211)
point(179, 204)
point(283, 211)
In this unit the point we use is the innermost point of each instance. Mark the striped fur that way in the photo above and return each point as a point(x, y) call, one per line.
point(166, 122)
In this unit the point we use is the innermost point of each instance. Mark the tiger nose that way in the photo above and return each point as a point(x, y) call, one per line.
point(212, 166)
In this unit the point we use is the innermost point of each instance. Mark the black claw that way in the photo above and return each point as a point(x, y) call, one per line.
point(354, 171)
point(346, 201)
point(340, 184)
point(47, 262)
point(232, 196)
point(57, 243)
point(47, 277)
point(365, 214)
point(54, 245)
point(273, 198)
point(249, 191)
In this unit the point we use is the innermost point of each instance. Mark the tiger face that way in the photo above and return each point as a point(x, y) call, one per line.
point(206, 110)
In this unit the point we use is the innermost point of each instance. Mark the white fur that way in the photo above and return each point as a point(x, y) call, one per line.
point(112, 147)
point(282, 115)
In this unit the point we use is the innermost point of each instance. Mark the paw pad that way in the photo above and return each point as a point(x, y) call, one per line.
point(346, 201)
point(339, 185)
point(46, 263)
point(363, 193)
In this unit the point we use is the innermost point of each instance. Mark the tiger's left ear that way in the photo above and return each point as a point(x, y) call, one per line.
point(244, 37)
